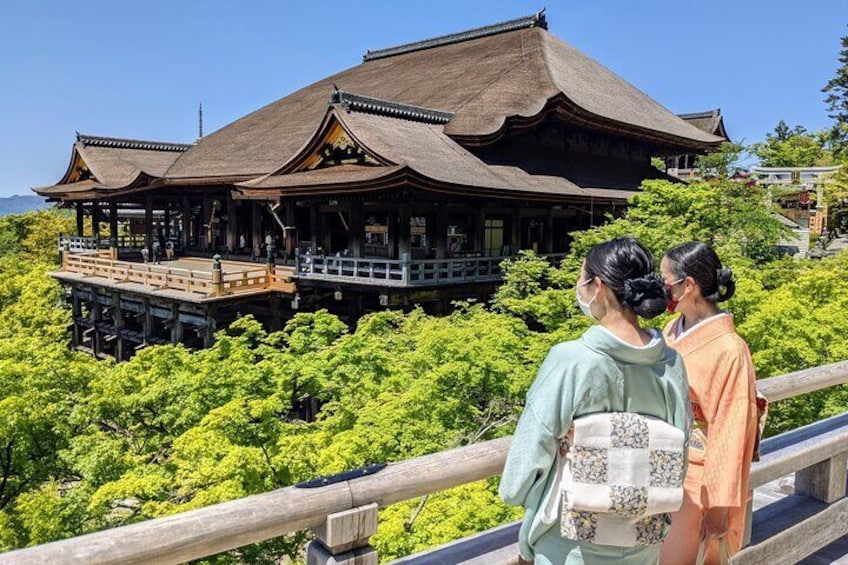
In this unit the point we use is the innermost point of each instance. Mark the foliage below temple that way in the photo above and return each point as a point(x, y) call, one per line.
point(86, 445)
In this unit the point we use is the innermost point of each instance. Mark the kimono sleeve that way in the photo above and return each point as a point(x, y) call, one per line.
point(547, 414)
point(729, 446)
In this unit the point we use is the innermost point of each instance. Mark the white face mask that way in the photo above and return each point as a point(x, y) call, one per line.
point(585, 307)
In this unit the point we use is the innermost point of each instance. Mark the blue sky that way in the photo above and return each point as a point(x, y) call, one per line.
point(139, 69)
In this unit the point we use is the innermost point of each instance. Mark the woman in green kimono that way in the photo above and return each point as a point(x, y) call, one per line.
point(615, 366)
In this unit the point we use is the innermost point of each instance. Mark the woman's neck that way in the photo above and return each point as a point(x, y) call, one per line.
point(700, 311)
point(625, 326)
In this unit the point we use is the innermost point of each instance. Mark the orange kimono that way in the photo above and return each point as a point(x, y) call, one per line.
point(723, 396)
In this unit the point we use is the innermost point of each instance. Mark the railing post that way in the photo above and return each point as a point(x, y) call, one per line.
point(343, 538)
point(404, 268)
point(825, 480)
point(113, 248)
point(65, 251)
point(217, 276)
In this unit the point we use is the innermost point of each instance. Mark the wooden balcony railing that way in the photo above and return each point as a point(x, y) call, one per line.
point(343, 515)
point(404, 272)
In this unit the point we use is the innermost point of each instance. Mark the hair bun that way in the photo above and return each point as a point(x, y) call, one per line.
point(726, 284)
point(647, 296)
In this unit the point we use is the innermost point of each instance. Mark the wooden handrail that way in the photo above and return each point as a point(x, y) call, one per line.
point(802, 382)
point(228, 525)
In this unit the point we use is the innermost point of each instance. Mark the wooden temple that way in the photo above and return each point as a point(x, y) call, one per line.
point(683, 166)
point(404, 180)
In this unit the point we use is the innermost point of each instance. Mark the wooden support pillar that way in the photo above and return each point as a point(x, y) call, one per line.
point(441, 230)
point(824, 481)
point(76, 309)
point(548, 246)
point(211, 326)
point(256, 228)
point(177, 327)
point(167, 221)
point(232, 228)
point(147, 321)
point(95, 219)
point(515, 229)
point(80, 220)
point(113, 223)
point(291, 235)
point(148, 224)
point(343, 538)
point(96, 315)
point(185, 225)
point(749, 522)
point(118, 323)
point(313, 228)
point(392, 234)
point(206, 224)
point(404, 230)
point(480, 230)
point(357, 229)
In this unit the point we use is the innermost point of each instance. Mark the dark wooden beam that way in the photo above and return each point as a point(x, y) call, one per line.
point(80, 220)
point(357, 229)
point(186, 222)
point(148, 224)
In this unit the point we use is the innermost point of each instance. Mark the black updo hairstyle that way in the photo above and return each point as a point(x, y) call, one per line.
point(700, 261)
point(627, 268)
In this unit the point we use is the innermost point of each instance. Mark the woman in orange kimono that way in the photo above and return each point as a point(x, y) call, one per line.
point(722, 393)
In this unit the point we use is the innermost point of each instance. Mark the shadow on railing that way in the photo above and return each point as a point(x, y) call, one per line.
point(344, 514)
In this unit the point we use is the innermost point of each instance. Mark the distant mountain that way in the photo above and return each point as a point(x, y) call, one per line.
point(20, 204)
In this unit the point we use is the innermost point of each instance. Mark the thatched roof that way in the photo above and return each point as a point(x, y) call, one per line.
point(710, 121)
point(403, 151)
point(101, 165)
point(433, 99)
point(484, 82)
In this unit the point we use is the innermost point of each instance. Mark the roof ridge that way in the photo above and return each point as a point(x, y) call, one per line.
point(715, 112)
point(125, 143)
point(535, 20)
point(368, 105)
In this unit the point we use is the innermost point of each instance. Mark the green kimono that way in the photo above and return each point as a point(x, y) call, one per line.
point(596, 373)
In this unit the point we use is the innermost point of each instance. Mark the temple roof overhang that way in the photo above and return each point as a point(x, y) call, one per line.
point(710, 121)
point(366, 148)
point(103, 166)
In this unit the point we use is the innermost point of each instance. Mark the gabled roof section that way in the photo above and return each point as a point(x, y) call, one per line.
point(487, 81)
point(415, 153)
point(536, 20)
point(101, 165)
point(710, 121)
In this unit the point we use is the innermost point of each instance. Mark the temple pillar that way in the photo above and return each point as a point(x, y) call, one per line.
point(167, 220)
point(357, 229)
point(290, 234)
point(148, 224)
point(515, 229)
point(480, 230)
point(206, 224)
point(185, 226)
point(548, 246)
point(80, 219)
point(313, 228)
point(95, 220)
point(404, 230)
point(256, 228)
point(441, 231)
point(113, 229)
point(232, 228)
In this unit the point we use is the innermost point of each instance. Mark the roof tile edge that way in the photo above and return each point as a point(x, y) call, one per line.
point(536, 20)
point(358, 103)
point(122, 143)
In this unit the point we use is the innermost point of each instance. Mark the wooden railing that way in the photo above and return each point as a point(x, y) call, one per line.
point(77, 244)
point(403, 272)
point(343, 515)
point(157, 277)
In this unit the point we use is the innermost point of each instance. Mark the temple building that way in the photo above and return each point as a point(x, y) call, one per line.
point(712, 122)
point(404, 180)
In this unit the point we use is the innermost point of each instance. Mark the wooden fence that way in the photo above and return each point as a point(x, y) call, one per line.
point(343, 514)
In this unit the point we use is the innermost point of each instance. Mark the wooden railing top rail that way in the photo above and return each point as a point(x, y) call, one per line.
point(225, 526)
